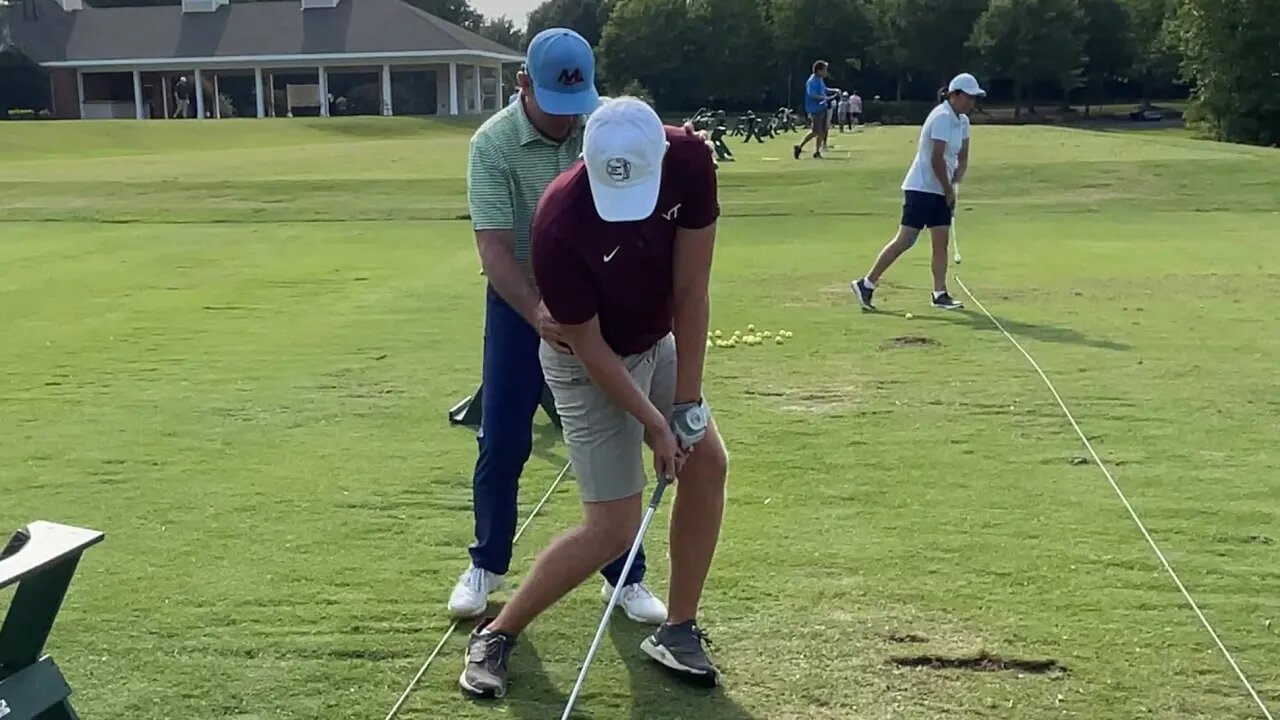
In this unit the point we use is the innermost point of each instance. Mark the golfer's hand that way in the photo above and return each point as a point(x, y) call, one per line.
point(951, 197)
point(551, 331)
point(668, 458)
point(689, 422)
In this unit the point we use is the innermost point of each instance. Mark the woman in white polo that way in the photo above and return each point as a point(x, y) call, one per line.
point(942, 157)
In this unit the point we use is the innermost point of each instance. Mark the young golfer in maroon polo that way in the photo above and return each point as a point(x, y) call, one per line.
point(622, 246)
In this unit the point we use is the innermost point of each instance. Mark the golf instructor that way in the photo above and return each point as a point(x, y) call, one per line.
point(942, 158)
point(514, 156)
point(622, 249)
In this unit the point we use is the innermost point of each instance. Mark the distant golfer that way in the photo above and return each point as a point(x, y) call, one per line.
point(942, 158)
point(855, 109)
point(817, 103)
point(622, 248)
point(514, 156)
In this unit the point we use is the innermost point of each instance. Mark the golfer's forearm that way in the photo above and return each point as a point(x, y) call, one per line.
point(962, 166)
point(692, 315)
point(939, 166)
point(508, 280)
point(608, 373)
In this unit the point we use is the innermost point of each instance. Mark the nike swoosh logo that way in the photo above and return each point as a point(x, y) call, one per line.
point(609, 257)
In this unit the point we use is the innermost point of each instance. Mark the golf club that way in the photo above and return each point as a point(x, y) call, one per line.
point(663, 481)
point(955, 237)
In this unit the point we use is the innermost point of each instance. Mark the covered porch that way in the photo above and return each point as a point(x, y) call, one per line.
point(463, 84)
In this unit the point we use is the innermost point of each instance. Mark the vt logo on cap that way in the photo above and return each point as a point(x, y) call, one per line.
point(562, 70)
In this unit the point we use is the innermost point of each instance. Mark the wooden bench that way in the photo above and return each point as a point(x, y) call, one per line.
point(31, 685)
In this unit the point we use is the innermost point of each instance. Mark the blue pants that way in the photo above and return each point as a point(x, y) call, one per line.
point(512, 389)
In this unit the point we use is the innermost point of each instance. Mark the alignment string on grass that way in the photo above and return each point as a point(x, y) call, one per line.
point(413, 684)
point(1195, 607)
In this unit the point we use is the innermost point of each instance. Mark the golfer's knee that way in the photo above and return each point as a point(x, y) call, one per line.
point(907, 237)
point(610, 537)
point(707, 468)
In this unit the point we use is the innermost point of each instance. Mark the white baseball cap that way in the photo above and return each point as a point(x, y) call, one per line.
point(623, 147)
point(967, 84)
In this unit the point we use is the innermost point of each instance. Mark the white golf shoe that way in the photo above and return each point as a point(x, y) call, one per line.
point(471, 595)
point(639, 603)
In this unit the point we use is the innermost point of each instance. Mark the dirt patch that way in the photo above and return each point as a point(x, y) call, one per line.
point(907, 341)
point(905, 638)
point(982, 662)
point(819, 400)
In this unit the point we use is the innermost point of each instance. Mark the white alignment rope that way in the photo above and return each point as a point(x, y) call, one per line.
point(1195, 607)
point(413, 684)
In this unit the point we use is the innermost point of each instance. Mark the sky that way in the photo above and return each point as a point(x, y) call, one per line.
point(517, 10)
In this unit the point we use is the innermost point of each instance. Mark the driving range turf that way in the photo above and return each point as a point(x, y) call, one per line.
point(231, 346)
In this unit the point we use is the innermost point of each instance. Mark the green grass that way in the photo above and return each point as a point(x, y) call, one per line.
point(232, 345)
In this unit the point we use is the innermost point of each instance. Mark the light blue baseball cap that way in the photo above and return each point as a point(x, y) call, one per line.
point(562, 68)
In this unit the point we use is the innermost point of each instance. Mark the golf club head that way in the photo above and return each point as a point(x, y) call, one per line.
point(957, 258)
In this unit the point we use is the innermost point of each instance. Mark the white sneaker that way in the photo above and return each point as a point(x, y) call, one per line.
point(471, 595)
point(639, 603)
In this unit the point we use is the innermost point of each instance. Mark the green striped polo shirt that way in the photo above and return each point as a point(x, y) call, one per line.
point(509, 166)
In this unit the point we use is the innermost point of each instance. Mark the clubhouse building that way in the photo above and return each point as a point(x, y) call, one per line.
point(210, 59)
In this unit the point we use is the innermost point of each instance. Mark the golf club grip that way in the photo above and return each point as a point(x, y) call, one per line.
point(656, 499)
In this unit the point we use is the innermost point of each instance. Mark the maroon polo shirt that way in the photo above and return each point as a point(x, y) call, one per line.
point(622, 272)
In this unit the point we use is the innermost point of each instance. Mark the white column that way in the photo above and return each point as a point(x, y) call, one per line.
point(137, 95)
point(453, 88)
point(257, 92)
point(80, 91)
point(271, 88)
point(199, 94)
point(499, 100)
point(478, 93)
point(324, 91)
point(386, 91)
point(164, 94)
point(217, 99)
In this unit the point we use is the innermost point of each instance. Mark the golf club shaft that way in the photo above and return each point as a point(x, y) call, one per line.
point(617, 592)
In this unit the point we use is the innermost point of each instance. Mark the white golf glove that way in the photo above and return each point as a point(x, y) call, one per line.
point(689, 422)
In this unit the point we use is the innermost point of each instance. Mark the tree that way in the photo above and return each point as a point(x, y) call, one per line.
point(502, 31)
point(725, 64)
point(923, 38)
point(1108, 44)
point(585, 17)
point(1155, 55)
point(647, 41)
point(1231, 49)
point(1031, 40)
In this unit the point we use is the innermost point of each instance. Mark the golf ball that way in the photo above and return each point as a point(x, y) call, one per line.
point(909, 316)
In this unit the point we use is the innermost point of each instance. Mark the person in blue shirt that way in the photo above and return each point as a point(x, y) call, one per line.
point(817, 103)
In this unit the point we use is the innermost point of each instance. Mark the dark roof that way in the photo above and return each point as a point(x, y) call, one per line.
point(241, 28)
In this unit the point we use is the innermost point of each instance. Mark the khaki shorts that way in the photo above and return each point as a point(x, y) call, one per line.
point(606, 443)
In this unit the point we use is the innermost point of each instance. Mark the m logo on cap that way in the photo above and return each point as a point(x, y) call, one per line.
point(618, 169)
point(569, 78)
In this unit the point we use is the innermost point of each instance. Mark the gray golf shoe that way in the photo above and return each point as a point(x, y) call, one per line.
point(682, 649)
point(485, 674)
